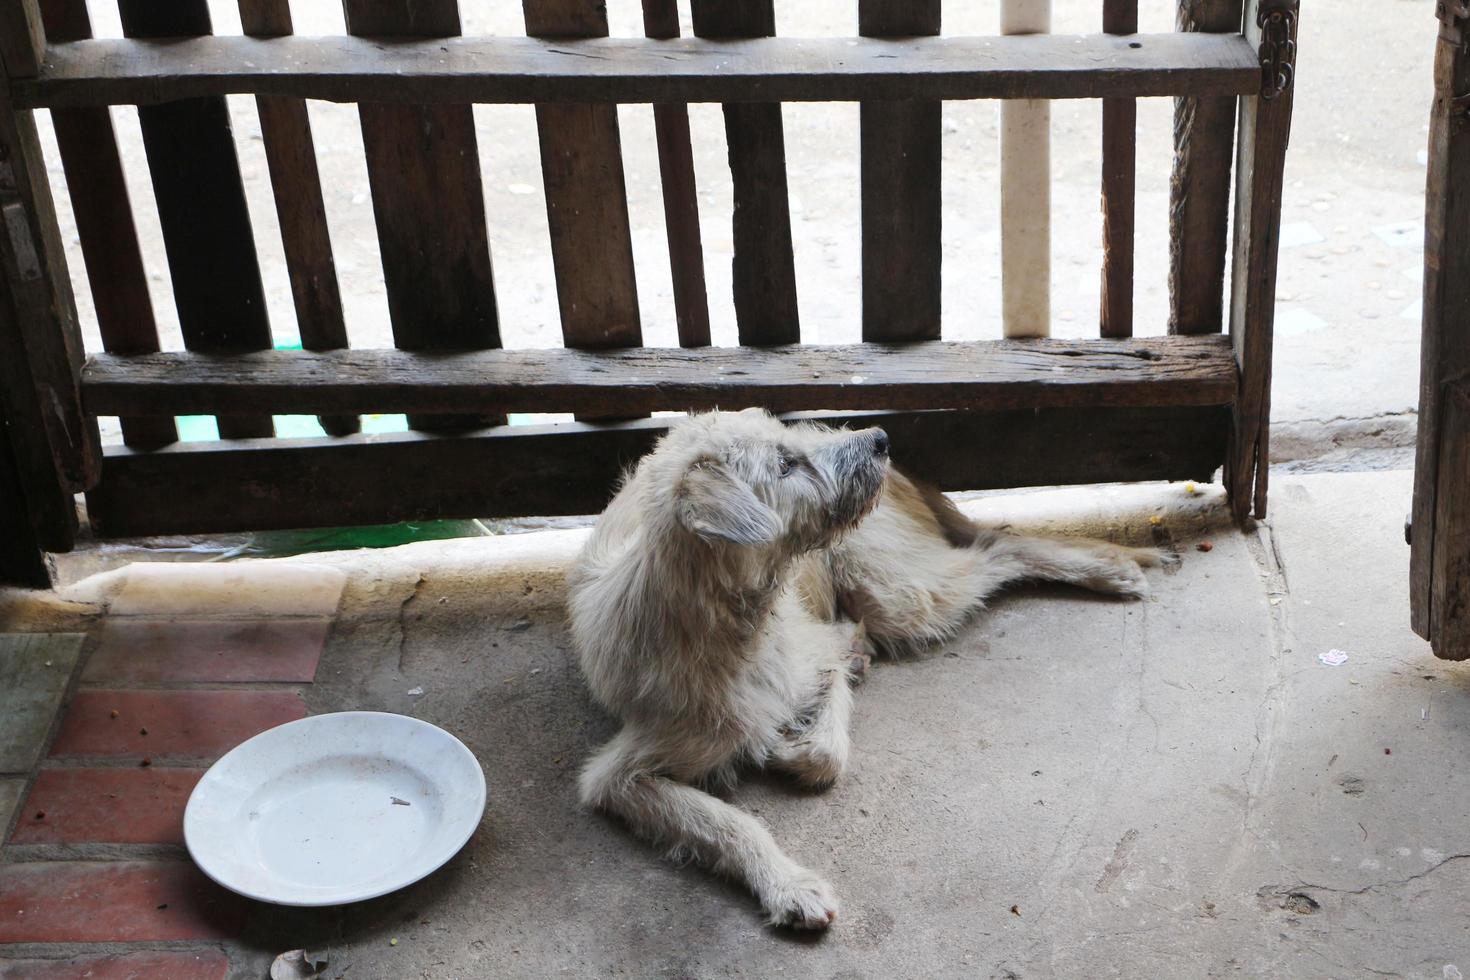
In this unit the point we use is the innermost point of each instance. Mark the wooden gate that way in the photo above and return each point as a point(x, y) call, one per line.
point(1439, 531)
point(994, 413)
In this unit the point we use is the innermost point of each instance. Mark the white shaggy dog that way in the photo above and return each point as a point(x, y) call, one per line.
point(735, 585)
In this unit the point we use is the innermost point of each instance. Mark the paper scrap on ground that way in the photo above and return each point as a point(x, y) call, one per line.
point(1333, 658)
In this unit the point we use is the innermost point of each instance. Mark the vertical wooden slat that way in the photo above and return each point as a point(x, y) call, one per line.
point(21, 559)
point(424, 171)
point(681, 204)
point(1120, 127)
point(22, 37)
point(290, 156)
point(1441, 514)
point(53, 444)
point(763, 273)
point(1265, 123)
point(586, 199)
point(1199, 188)
point(1449, 605)
point(901, 207)
point(202, 210)
point(109, 240)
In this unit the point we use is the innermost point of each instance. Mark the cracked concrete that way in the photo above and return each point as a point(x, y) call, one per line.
point(1073, 787)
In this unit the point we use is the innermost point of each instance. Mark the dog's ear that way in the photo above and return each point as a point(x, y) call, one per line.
point(716, 506)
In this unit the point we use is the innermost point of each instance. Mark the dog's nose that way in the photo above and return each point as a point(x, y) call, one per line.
point(880, 443)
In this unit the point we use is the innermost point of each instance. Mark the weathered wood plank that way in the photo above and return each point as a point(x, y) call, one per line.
point(424, 172)
point(990, 374)
point(681, 203)
point(586, 198)
point(763, 270)
point(1445, 349)
point(1119, 162)
point(901, 207)
point(22, 38)
point(54, 443)
point(1265, 124)
point(1199, 187)
point(22, 561)
point(1449, 606)
point(201, 208)
point(573, 469)
point(290, 156)
point(527, 70)
point(104, 217)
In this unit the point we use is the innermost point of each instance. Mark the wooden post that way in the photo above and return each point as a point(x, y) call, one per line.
point(202, 211)
point(22, 562)
point(763, 272)
point(87, 143)
point(1439, 572)
point(53, 447)
point(1119, 162)
point(1199, 189)
point(681, 204)
point(1265, 123)
point(586, 197)
point(429, 205)
point(901, 152)
point(290, 155)
point(1025, 187)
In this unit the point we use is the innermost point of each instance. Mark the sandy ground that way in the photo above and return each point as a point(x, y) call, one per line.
point(1348, 291)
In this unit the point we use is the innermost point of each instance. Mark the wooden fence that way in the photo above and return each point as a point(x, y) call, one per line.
point(967, 415)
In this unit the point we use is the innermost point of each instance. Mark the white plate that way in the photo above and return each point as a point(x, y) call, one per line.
point(335, 808)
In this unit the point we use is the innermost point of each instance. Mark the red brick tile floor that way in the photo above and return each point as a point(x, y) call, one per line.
point(94, 880)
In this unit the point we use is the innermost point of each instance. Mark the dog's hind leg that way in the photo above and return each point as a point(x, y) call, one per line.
point(720, 836)
point(926, 593)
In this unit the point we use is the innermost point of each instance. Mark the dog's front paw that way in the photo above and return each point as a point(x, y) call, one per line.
point(803, 901)
point(815, 766)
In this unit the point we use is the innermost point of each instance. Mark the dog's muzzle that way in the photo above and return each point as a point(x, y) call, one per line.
point(858, 465)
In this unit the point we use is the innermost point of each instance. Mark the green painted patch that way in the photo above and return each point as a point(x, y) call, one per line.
point(279, 543)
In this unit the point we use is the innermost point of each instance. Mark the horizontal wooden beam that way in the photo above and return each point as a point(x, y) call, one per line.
point(525, 70)
point(916, 376)
point(573, 468)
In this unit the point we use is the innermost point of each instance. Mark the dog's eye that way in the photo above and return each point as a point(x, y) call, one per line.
point(786, 464)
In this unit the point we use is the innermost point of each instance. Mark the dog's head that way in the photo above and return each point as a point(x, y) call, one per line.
point(745, 479)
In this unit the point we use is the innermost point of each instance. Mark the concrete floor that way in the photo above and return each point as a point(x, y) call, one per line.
point(1074, 787)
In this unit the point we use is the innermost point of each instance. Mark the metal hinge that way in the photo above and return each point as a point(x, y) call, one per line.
point(1278, 49)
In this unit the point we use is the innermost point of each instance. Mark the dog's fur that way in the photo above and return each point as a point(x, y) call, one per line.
point(738, 581)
